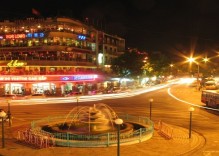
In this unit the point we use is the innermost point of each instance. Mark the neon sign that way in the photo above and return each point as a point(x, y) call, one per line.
point(84, 77)
point(35, 35)
point(46, 78)
point(65, 78)
point(15, 63)
point(81, 37)
point(15, 36)
point(79, 78)
point(22, 78)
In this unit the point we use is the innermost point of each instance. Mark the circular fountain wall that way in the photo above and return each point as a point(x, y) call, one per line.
point(94, 124)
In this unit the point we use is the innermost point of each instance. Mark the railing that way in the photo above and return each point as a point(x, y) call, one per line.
point(164, 129)
point(36, 138)
point(98, 140)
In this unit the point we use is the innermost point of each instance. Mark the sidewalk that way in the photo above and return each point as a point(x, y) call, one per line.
point(158, 145)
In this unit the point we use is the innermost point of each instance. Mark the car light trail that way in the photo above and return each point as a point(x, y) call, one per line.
point(189, 103)
point(85, 98)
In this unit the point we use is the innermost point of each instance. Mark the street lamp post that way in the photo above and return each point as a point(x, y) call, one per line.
point(171, 66)
point(191, 109)
point(198, 71)
point(138, 80)
point(9, 113)
point(198, 77)
point(205, 60)
point(2, 116)
point(151, 100)
point(191, 60)
point(77, 98)
point(118, 122)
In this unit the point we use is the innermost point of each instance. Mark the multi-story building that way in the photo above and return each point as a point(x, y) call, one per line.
point(54, 55)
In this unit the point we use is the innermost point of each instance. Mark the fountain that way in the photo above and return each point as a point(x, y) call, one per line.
point(94, 123)
point(97, 120)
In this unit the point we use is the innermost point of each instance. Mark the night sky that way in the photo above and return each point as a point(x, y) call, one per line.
point(150, 25)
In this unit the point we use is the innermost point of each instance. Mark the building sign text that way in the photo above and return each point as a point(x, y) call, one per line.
point(15, 63)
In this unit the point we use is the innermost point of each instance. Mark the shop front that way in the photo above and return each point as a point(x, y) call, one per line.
point(45, 84)
point(44, 88)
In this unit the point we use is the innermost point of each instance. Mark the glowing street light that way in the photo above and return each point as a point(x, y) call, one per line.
point(171, 66)
point(191, 109)
point(151, 100)
point(77, 99)
point(205, 59)
point(191, 60)
point(118, 122)
point(2, 116)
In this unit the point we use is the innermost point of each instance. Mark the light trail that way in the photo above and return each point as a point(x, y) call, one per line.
point(189, 103)
point(85, 98)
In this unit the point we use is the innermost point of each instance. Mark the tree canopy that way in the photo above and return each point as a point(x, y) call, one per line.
point(128, 64)
point(134, 63)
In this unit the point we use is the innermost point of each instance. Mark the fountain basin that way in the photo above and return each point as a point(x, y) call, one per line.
point(94, 127)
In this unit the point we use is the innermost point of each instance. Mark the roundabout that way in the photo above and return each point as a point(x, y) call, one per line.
point(94, 127)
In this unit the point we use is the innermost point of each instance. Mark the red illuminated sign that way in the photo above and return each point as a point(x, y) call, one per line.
point(23, 78)
point(15, 36)
point(47, 78)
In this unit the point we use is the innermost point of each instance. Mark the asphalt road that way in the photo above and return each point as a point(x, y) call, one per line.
point(164, 107)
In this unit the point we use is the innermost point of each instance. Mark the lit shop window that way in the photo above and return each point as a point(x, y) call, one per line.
point(100, 58)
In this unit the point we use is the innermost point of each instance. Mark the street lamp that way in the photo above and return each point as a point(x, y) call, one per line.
point(198, 71)
point(191, 109)
point(77, 98)
point(171, 66)
point(205, 59)
point(9, 113)
point(118, 122)
point(138, 80)
point(2, 116)
point(191, 60)
point(151, 100)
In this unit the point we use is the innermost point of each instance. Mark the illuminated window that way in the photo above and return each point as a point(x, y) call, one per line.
point(100, 58)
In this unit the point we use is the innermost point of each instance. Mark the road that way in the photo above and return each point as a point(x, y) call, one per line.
point(165, 108)
point(205, 121)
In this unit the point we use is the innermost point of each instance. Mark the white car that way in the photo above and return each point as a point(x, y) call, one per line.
point(210, 85)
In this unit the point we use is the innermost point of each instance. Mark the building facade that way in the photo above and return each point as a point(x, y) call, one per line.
point(54, 55)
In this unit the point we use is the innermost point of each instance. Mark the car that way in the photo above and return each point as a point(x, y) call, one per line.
point(210, 85)
point(37, 96)
point(9, 96)
point(20, 97)
point(14, 97)
point(72, 94)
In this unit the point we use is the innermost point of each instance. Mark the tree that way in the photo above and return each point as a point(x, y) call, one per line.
point(159, 62)
point(147, 69)
point(129, 64)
